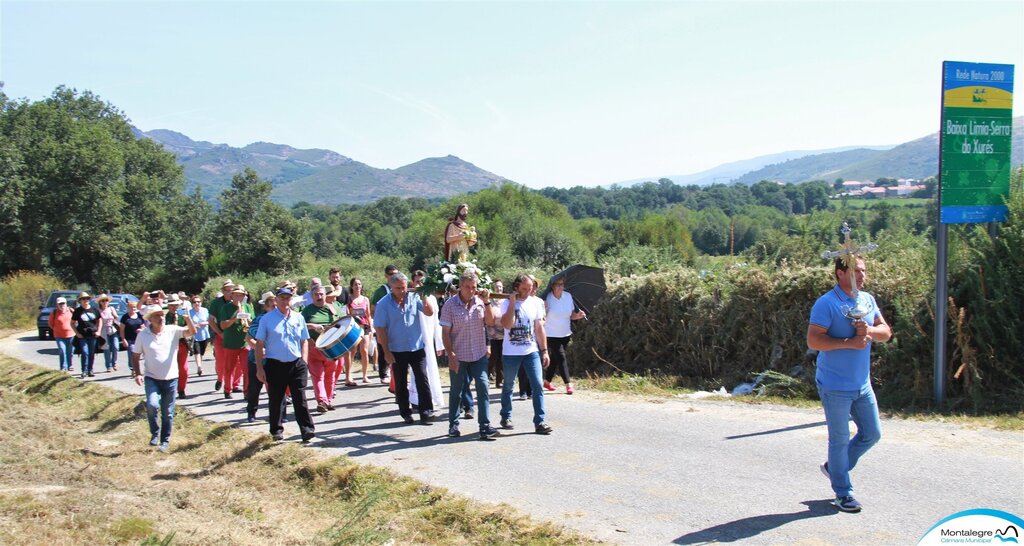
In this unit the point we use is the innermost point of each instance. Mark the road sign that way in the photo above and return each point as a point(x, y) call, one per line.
point(974, 159)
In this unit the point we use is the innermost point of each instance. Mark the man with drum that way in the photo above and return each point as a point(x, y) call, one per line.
point(282, 350)
point(319, 316)
point(463, 322)
point(397, 322)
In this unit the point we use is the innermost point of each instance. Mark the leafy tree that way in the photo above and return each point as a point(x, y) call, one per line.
point(255, 234)
point(72, 168)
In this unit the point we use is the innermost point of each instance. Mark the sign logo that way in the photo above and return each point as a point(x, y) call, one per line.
point(978, 526)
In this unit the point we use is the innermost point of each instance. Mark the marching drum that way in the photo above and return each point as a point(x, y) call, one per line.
point(339, 337)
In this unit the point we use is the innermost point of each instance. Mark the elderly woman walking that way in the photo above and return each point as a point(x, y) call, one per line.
point(561, 311)
point(63, 333)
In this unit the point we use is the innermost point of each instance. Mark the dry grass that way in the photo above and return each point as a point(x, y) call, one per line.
point(76, 468)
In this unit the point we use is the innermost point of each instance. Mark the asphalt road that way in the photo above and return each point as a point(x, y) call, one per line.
point(635, 470)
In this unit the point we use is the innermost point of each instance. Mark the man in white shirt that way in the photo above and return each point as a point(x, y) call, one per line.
point(159, 344)
point(525, 345)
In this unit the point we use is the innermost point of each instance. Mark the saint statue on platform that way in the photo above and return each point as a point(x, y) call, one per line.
point(459, 236)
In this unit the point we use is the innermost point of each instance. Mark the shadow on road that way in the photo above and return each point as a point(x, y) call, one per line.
point(777, 430)
point(745, 528)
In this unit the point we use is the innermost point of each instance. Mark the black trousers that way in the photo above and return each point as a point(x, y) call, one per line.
point(382, 367)
point(494, 366)
point(284, 375)
point(559, 360)
point(417, 361)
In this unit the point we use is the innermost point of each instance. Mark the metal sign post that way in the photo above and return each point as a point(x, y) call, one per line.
point(974, 168)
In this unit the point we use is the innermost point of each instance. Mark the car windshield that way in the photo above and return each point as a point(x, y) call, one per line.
point(67, 294)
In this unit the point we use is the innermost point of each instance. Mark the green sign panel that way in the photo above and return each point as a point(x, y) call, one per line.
point(977, 120)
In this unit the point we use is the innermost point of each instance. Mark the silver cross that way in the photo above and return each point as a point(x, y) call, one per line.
point(849, 254)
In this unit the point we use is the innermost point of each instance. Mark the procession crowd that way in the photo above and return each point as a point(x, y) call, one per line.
point(287, 342)
point(402, 328)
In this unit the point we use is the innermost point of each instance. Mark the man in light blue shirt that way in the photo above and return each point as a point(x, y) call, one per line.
point(282, 350)
point(844, 374)
point(397, 321)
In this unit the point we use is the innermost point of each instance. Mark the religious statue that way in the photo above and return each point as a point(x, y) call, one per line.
point(459, 236)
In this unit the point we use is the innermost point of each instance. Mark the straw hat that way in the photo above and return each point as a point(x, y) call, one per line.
point(173, 299)
point(84, 296)
point(101, 297)
point(266, 296)
point(150, 310)
point(239, 289)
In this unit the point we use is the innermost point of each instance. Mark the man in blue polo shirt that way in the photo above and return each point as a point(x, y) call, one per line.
point(397, 322)
point(282, 350)
point(844, 374)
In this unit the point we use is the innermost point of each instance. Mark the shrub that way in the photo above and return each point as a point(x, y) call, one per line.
point(717, 327)
point(21, 294)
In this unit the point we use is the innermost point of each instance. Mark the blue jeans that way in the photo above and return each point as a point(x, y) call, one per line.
point(160, 396)
point(467, 392)
point(460, 381)
point(110, 351)
point(88, 346)
point(510, 367)
point(844, 452)
point(65, 350)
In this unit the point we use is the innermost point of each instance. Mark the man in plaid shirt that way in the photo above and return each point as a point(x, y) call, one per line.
point(463, 321)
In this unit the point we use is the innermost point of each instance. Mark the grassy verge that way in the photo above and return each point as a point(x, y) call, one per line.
point(630, 384)
point(76, 468)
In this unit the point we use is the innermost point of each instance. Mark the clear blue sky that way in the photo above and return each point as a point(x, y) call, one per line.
point(542, 93)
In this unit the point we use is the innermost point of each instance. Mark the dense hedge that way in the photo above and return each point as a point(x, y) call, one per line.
point(717, 329)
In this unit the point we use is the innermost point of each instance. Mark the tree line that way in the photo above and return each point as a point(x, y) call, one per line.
point(88, 202)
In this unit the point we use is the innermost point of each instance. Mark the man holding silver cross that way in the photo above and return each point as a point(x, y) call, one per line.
point(843, 324)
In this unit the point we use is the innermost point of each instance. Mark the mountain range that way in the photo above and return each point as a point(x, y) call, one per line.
point(915, 159)
point(329, 178)
point(315, 175)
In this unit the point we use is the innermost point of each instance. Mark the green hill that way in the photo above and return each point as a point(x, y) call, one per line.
point(812, 167)
point(915, 159)
point(316, 175)
point(360, 183)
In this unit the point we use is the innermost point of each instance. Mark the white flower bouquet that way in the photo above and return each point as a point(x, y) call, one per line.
point(444, 277)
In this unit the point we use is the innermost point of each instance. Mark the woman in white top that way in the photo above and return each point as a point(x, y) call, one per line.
point(560, 312)
point(433, 346)
point(108, 331)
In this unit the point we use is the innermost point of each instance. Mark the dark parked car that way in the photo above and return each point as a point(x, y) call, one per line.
point(117, 301)
point(42, 321)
